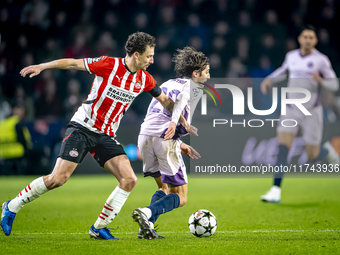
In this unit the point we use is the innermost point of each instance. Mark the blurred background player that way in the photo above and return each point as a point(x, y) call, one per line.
point(162, 159)
point(93, 127)
point(310, 69)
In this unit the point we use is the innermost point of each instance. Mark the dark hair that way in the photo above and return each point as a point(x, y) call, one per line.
point(189, 60)
point(137, 42)
point(308, 27)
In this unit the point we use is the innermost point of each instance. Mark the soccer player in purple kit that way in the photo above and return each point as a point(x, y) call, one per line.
point(308, 68)
point(162, 160)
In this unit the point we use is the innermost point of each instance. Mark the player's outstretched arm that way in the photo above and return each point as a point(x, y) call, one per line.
point(328, 80)
point(189, 151)
point(280, 74)
point(65, 63)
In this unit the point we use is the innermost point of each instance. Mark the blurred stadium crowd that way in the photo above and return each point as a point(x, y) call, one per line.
point(247, 38)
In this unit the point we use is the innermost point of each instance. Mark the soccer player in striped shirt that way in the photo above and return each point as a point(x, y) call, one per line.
point(308, 68)
point(162, 160)
point(93, 127)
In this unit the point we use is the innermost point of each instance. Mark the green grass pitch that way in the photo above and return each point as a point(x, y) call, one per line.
point(305, 222)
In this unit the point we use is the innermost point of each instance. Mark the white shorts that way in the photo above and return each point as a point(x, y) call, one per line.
point(311, 125)
point(162, 158)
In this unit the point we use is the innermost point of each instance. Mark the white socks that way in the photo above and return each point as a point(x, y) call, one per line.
point(37, 187)
point(33, 190)
point(147, 212)
point(112, 207)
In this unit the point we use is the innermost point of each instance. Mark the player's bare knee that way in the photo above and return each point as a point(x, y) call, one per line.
point(53, 181)
point(128, 183)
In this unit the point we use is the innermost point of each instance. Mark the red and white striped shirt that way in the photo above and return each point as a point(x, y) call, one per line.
point(113, 90)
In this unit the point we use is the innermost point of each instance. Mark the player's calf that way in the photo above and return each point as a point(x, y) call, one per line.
point(182, 200)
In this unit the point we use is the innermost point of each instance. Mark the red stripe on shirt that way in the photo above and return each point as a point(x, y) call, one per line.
point(102, 112)
point(128, 82)
point(99, 94)
point(113, 116)
point(117, 116)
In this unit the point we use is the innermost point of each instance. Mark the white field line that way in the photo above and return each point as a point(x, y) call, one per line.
point(176, 232)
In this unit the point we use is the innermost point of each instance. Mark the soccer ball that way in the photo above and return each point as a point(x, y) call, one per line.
point(202, 223)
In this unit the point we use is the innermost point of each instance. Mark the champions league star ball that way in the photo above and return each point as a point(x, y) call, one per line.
point(202, 223)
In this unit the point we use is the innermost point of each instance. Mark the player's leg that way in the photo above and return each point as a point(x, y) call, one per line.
point(182, 192)
point(60, 174)
point(162, 191)
point(173, 173)
point(176, 198)
point(119, 165)
point(151, 167)
point(316, 153)
point(165, 189)
point(313, 138)
point(332, 156)
point(285, 141)
point(65, 165)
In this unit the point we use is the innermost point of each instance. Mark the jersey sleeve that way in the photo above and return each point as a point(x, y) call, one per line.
point(150, 82)
point(186, 89)
point(326, 69)
point(181, 101)
point(330, 80)
point(101, 66)
point(281, 72)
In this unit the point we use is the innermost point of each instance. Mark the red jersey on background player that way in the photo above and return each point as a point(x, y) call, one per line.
point(118, 81)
